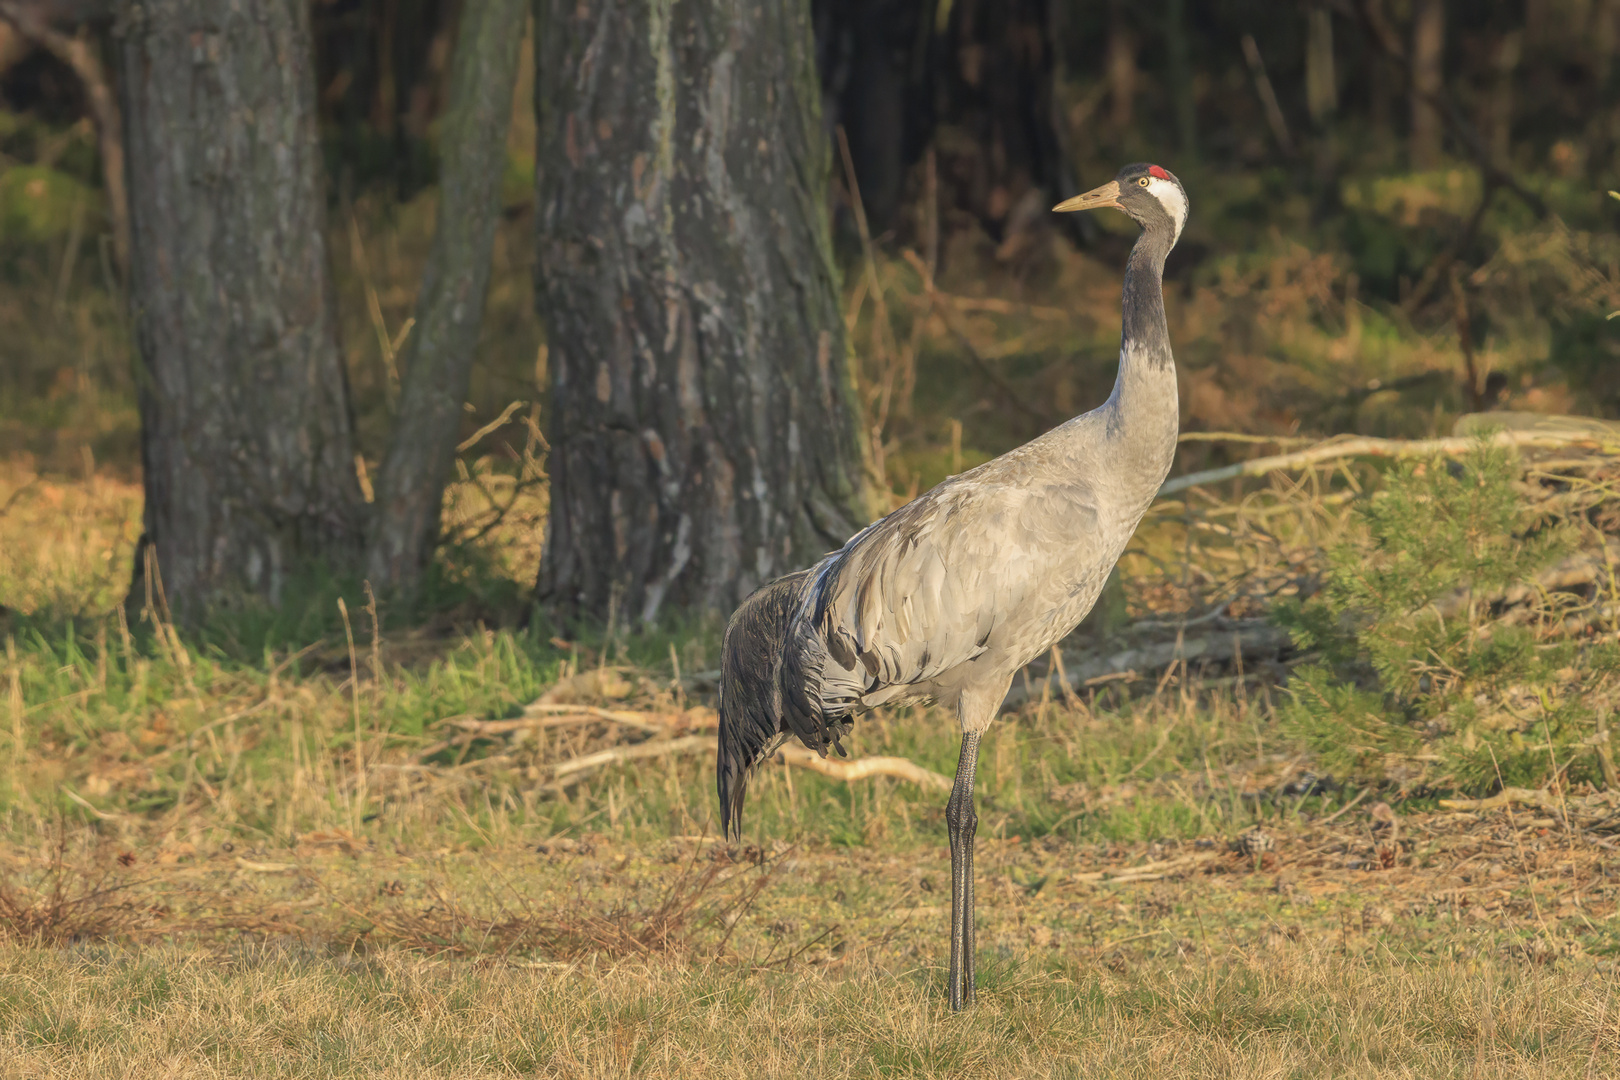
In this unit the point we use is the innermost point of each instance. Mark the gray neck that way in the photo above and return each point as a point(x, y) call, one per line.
point(1144, 411)
point(1144, 331)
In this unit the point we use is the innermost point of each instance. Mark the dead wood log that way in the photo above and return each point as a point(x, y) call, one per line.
point(1254, 639)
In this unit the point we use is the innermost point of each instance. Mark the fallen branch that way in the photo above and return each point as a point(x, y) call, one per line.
point(860, 768)
point(1243, 437)
point(1390, 448)
point(541, 715)
point(572, 771)
point(1148, 871)
point(574, 767)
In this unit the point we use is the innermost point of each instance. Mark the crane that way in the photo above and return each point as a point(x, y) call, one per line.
point(946, 598)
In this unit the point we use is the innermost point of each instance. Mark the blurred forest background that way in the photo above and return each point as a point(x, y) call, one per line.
point(1399, 215)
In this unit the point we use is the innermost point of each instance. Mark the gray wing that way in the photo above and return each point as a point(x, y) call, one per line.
point(974, 567)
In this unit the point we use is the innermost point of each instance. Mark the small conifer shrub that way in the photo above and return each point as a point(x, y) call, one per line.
point(1422, 675)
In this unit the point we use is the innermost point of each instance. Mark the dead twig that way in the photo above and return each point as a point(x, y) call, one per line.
point(1345, 809)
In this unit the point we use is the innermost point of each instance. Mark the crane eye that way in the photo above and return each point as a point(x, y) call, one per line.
point(1142, 180)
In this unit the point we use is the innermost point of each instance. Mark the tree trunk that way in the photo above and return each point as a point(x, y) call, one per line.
point(1321, 80)
point(246, 440)
point(1179, 62)
point(450, 304)
point(1121, 71)
point(1428, 48)
point(704, 422)
point(1500, 119)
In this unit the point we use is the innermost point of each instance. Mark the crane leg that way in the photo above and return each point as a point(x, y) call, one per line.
point(962, 823)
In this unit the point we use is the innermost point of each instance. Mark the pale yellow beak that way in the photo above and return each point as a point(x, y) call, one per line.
point(1095, 199)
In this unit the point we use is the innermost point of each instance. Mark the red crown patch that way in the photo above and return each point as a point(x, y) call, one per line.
point(1154, 170)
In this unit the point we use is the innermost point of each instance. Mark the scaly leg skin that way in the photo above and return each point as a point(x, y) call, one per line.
point(962, 823)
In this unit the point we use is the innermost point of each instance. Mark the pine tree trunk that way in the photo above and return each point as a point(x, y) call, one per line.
point(1428, 49)
point(703, 420)
point(450, 305)
point(246, 440)
point(1121, 71)
point(1179, 49)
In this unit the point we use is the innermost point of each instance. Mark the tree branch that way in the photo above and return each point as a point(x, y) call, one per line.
point(77, 54)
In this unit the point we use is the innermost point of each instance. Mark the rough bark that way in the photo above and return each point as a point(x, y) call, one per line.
point(246, 444)
point(450, 304)
point(703, 417)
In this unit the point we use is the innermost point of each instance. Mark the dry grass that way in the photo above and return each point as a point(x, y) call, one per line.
point(68, 543)
point(1227, 1008)
point(333, 959)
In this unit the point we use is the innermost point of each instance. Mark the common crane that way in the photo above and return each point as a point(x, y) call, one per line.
point(950, 595)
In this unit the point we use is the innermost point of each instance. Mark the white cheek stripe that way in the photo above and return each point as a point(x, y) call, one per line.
point(1171, 198)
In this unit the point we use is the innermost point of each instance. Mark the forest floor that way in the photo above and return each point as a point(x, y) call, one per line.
point(199, 876)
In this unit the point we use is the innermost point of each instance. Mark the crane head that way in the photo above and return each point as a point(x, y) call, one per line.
point(1149, 193)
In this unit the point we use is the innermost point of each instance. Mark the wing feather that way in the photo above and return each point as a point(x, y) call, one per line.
point(925, 590)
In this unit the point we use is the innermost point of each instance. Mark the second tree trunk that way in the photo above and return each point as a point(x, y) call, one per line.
point(449, 308)
point(704, 422)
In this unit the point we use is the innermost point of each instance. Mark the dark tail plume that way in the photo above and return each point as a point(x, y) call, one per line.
point(750, 690)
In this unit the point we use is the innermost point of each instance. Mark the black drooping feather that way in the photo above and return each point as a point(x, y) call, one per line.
point(755, 714)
